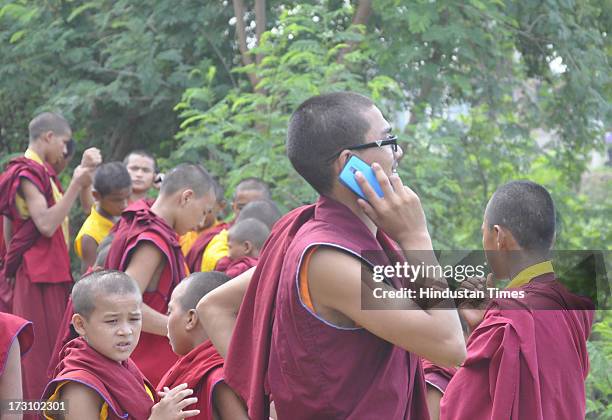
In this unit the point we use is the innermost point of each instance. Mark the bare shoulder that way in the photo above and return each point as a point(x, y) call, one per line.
point(83, 402)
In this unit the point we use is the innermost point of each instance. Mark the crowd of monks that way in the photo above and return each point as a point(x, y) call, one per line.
point(186, 307)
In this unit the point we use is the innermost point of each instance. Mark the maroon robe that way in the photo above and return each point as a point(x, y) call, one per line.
point(153, 355)
point(13, 327)
point(201, 369)
point(525, 363)
point(120, 385)
point(41, 267)
point(437, 376)
point(6, 291)
point(311, 368)
point(195, 254)
point(235, 267)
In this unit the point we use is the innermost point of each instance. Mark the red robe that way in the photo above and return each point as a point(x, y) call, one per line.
point(235, 267)
point(12, 327)
point(153, 355)
point(310, 368)
point(120, 385)
point(41, 267)
point(6, 291)
point(201, 369)
point(525, 363)
point(437, 376)
point(194, 256)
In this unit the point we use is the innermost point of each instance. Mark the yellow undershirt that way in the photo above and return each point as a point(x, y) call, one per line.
point(22, 208)
point(103, 411)
point(186, 241)
point(530, 273)
point(217, 248)
point(96, 226)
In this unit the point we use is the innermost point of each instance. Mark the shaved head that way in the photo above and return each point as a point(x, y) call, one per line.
point(265, 211)
point(187, 176)
point(251, 230)
point(527, 210)
point(198, 285)
point(48, 121)
point(254, 184)
point(105, 282)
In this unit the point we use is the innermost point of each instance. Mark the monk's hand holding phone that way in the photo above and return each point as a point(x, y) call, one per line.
point(398, 212)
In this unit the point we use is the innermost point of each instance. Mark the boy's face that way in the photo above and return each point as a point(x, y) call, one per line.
point(142, 172)
point(192, 210)
point(244, 197)
point(236, 249)
point(113, 328)
point(178, 319)
point(57, 146)
point(211, 217)
point(115, 202)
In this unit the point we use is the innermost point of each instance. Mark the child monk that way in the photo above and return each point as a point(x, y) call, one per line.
point(96, 379)
point(265, 211)
point(199, 366)
point(16, 337)
point(112, 186)
point(205, 254)
point(146, 247)
point(245, 239)
point(526, 357)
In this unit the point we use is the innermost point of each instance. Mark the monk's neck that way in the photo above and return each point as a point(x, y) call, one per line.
point(198, 336)
point(39, 149)
point(520, 260)
point(350, 202)
point(104, 214)
point(137, 196)
point(161, 209)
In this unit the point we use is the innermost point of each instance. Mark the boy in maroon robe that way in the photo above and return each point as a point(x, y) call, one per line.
point(36, 260)
point(244, 239)
point(200, 366)
point(96, 379)
point(527, 357)
point(16, 337)
point(145, 245)
point(304, 336)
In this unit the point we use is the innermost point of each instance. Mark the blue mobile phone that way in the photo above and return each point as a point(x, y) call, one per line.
point(347, 176)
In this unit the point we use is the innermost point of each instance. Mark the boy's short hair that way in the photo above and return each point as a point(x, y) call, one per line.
point(199, 285)
point(105, 282)
point(322, 127)
point(527, 210)
point(110, 177)
point(187, 175)
point(47, 121)
point(254, 184)
point(252, 230)
point(265, 211)
point(219, 191)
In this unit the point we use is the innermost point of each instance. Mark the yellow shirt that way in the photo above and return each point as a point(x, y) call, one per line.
point(186, 241)
point(96, 226)
point(103, 411)
point(22, 208)
point(529, 273)
point(217, 248)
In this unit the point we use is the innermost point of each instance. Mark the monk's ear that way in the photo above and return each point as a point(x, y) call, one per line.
point(339, 163)
point(248, 247)
point(78, 322)
point(192, 320)
point(96, 195)
point(186, 196)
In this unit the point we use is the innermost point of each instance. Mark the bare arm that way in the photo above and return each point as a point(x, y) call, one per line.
point(89, 247)
point(227, 404)
point(7, 230)
point(10, 380)
point(48, 219)
point(218, 310)
point(146, 262)
point(83, 402)
point(335, 281)
point(86, 199)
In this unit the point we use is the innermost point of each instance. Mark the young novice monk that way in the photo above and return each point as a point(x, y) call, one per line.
point(265, 211)
point(244, 240)
point(146, 247)
point(112, 186)
point(200, 366)
point(96, 377)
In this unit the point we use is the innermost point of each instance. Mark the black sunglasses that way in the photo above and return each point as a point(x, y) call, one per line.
point(391, 140)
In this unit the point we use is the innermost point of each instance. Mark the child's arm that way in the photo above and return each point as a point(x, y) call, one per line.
point(89, 246)
point(145, 267)
point(172, 404)
point(219, 308)
point(82, 402)
point(227, 404)
point(10, 380)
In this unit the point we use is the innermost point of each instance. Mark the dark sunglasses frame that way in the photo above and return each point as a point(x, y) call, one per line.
point(391, 140)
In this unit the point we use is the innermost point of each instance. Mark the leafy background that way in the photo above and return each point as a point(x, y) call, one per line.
point(480, 93)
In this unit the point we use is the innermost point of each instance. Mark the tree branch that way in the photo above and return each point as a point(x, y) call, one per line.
point(361, 16)
point(260, 23)
point(241, 38)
